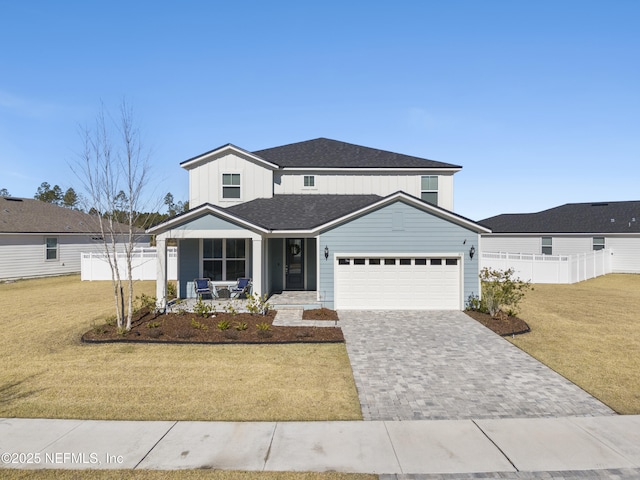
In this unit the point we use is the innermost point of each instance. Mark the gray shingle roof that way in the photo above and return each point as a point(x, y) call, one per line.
point(26, 215)
point(600, 217)
point(326, 153)
point(299, 212)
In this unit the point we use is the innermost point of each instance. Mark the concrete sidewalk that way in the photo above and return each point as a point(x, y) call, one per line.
point(382, 447)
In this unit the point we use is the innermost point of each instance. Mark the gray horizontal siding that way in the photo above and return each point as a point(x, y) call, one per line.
point(275, 269)
point(398, 228)
point(626, 253)
point(188, 265)
point(23, 256)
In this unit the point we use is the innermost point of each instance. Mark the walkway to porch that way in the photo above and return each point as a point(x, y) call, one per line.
point(294, 300)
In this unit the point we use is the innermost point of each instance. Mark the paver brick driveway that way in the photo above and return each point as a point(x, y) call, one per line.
point(413, 365)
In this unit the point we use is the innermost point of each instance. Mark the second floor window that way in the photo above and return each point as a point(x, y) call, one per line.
point(230, 185)
point(547, 246)
point(429, 189)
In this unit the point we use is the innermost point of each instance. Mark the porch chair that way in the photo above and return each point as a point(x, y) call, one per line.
point(202, 286)
point(242, 287)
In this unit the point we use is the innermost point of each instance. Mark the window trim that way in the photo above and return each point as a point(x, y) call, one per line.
point(601, 245)
point(549, 246)
point(48, 249)
point(224, 258)
point(231, 186)
point(430, 190)
point(311, 179)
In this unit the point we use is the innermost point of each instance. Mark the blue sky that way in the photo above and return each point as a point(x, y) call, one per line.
point(539, 101)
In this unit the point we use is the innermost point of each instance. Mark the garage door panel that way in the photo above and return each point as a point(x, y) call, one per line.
point(421, 286)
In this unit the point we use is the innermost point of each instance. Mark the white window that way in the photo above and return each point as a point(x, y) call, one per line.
point(231, 185)
point(224, 259)
point(547, 246)
point(429, 189)
point(598, 243)
point(309, 181)
point(51, 248)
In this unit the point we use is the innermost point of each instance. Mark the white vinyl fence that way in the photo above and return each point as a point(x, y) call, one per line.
point(551, 268)
point(95, 266)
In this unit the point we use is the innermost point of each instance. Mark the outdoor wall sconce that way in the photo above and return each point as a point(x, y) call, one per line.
point(472, 252)
point(326, 253)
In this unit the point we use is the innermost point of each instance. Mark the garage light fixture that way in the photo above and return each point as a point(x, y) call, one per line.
point(326, 252)
point(472, 252)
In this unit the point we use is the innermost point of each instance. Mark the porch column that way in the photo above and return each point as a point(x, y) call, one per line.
point(161, 273)
point(257, 265)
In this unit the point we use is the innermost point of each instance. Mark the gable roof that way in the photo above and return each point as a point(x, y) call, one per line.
point(327, 153)
point(223, 150)
point(589, 218)
point(27, 215)
point(308, 213)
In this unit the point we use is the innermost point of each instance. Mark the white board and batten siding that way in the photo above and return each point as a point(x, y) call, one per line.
point(205, 181)
point(397, 282)
point(334, 183)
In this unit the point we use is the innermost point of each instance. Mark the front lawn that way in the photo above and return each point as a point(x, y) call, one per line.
point(47, 371)
point(590, 333)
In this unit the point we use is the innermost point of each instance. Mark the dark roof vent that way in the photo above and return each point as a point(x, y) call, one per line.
point(599, 204)
point(13, 199)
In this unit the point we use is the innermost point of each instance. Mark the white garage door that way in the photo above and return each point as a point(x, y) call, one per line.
point(397, 283)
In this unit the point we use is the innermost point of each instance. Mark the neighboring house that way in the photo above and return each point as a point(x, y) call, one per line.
point(363, 228)
point(40, 239)
point(571, 229)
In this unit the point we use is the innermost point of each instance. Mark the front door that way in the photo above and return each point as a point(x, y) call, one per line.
point(294, 268)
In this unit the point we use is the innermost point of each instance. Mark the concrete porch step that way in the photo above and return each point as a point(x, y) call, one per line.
point(288, 306)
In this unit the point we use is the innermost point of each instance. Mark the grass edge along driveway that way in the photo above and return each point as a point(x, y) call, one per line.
point(589, 332)
point(48, 373)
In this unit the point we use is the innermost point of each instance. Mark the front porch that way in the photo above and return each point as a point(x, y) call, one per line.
point(212, 244)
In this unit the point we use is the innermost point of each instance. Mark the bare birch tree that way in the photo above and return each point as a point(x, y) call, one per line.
point(114, 171)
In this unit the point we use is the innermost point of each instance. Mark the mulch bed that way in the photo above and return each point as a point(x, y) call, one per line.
point(320, 314)
point(503, 325)
point(191, 328)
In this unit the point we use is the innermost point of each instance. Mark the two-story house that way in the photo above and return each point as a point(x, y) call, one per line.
point(363, 228)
